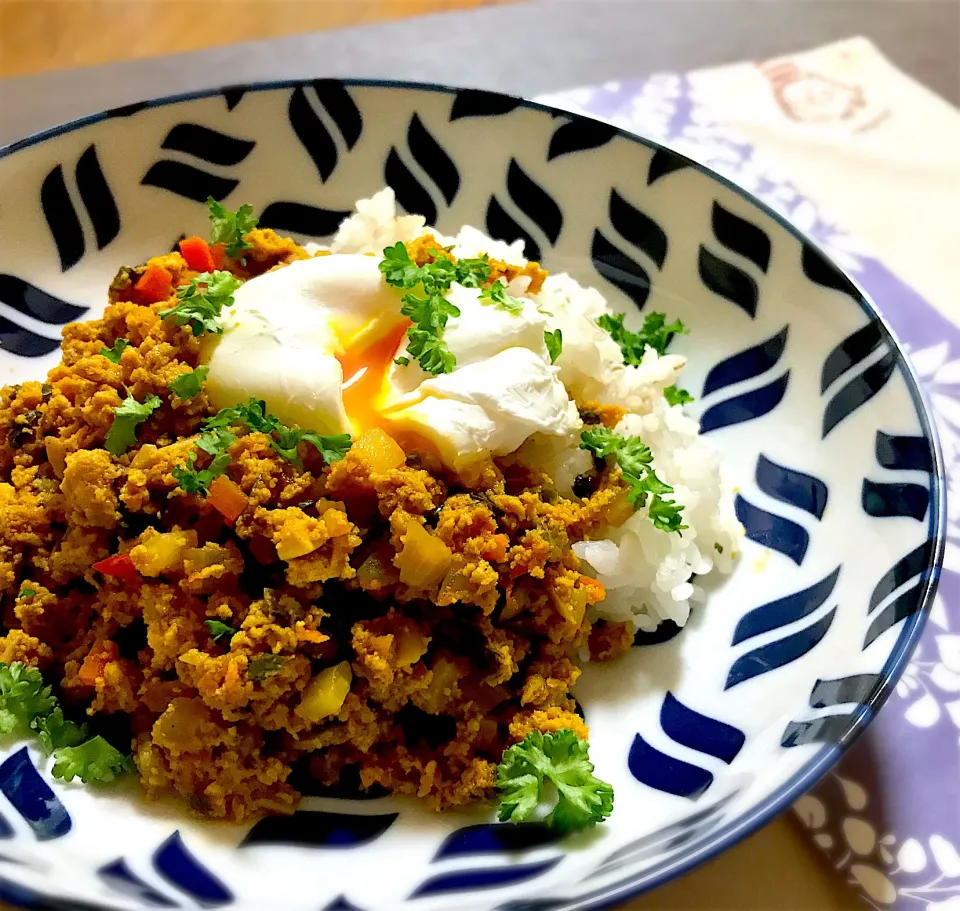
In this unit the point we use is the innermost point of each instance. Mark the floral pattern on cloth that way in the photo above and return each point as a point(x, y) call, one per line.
point(888, 817)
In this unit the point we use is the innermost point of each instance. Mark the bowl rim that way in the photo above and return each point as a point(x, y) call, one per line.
point(828, 754)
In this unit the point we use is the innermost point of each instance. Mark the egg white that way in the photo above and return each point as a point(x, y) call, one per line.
point(290, 330)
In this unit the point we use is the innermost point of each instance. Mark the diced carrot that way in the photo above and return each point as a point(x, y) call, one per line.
point(595, 590)
point(97, 659)
point(119, 566)
point(196, 251)
point(227, 498)
point(497, 549)
point(155, 285)
point(219, 254)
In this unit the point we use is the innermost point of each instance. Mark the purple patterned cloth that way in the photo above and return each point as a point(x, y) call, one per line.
point(888, 816)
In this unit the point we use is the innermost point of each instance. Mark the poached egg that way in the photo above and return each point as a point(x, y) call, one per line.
point(317, 341)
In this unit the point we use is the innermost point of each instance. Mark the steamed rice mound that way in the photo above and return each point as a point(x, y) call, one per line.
point(398, 626)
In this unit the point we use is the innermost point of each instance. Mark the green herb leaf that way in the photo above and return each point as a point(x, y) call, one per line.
point(28, 707)
point(230, 228)
point(634, 458)
point(562, 758)
point(198, 481)
point(398, 269)
point(201, 308)
point(424, 338)
point(431, 351)
point(401, 361)
point(429, 313)
point(93, 761)
point(554, 342)
point(656, 333)
point(472, 273)
point(113, 353)
point(189, 384)
point(718, 547)
point(56, 732)
point(332, 448)
point(496, 294)
point(127, 417)
point(675, 396)
point(27, 592)
point(217, 439)
point(263, 666)
point(218, 629)
point(23, 699)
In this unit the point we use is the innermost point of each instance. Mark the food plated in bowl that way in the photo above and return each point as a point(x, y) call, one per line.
point(331, 508)
point(350, 518)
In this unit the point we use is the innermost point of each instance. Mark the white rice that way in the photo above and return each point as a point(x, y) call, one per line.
point(647, 573)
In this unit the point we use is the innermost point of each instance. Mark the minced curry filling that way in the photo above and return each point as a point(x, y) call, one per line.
point(393, 623)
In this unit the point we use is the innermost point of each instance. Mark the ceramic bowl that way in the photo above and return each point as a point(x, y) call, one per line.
point(706, 733)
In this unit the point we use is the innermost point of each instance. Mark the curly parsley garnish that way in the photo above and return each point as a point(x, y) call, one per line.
point(201, 307)
point(230, 228)
point(656, 332)
point(563, 759)
point(95, 760)
point(219, 629)
point(189, 384)
point(28, 708)
point(114, 352)
point(554, 342)
point(127, 417)
point(496, 294)
point(430, 310)
point(675, 396)
point(24, 700)
point(218, 437)
point(633, 457)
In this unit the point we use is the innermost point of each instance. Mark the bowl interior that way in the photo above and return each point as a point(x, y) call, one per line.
point(798, 383)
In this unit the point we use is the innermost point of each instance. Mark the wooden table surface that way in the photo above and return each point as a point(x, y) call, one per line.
point(775, 868)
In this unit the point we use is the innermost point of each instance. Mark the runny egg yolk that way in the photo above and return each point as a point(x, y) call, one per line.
point(365, 369)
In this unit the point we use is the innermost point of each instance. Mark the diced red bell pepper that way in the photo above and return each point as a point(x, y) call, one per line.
point(196, 251)
point(227, 498)
point(119, 566)
point(154, 286)
point(218, 253)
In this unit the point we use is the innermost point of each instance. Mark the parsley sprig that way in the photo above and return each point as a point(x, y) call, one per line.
point(219, 629)
point(114, 352)
point(28, 708)
point(634, 458)
point(189, 384)
point(218, 436)
point(496, 294)
point(430, 310)
point(127, 417)
point(562, 758)
point(201, 307)
point(655, 332)
point(677, 396)
point(554, 342)
point(230, 228)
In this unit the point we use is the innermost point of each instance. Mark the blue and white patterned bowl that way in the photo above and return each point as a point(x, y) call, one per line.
point(705, 734)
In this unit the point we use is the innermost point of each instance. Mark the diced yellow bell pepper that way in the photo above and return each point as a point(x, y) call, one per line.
point(424, 559)
point(410, 645)
point(162, 552)
point(378, 450)
point(324, 694)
